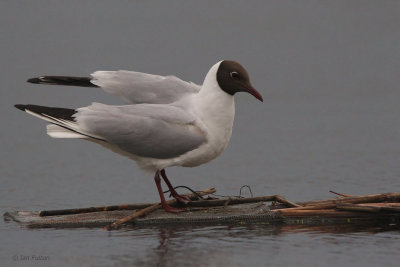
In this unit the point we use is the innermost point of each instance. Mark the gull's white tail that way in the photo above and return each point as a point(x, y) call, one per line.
point(62, 121)
point(56, 131)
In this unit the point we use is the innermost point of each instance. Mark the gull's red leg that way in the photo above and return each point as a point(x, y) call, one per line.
point(160, 192)
point(180, 198)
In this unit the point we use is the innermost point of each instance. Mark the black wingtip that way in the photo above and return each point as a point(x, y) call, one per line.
point(59, 113)
point(63, 80)
point(20, 107)
point(33, 80)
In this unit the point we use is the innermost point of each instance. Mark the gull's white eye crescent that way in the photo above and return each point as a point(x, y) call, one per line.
point(234, 74)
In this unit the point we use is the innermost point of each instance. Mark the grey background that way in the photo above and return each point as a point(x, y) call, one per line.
point(329, 74)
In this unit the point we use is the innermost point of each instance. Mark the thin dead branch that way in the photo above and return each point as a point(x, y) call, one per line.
point(339, 194)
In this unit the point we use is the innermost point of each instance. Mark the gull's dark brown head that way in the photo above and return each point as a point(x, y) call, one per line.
point(233, 78)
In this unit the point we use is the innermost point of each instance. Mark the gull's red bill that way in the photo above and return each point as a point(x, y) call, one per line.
point(255, 93)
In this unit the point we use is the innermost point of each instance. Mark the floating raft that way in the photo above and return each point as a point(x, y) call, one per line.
point(378, 209)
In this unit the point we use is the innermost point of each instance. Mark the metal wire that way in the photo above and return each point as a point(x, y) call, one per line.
point(188, 188)
point(216, 195)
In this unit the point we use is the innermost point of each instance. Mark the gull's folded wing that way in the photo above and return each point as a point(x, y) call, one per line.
point(146, 130)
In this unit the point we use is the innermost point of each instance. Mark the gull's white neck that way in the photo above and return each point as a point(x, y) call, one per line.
point(211, 99)
point(215, 109)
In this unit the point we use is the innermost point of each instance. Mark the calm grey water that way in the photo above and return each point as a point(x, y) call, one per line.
point(329, 74)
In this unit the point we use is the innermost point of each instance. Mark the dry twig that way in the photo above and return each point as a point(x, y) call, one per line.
point(339, 194)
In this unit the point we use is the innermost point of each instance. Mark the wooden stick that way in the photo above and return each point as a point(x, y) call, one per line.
point(367, 208)
point(137, 214)
point(147, 210)
point(382, 204)
point(285, 201)
point(355, 207)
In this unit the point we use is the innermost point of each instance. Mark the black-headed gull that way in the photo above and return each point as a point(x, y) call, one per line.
point(166, 122)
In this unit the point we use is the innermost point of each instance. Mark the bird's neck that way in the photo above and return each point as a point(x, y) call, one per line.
point(211, 98)
point(216, 110)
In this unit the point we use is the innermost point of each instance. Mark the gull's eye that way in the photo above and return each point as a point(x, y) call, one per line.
point(234, 74)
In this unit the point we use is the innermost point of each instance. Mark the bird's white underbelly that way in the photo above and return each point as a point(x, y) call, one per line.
point(208, 151)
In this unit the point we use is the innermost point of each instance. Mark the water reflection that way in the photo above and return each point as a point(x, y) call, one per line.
point(220, 244)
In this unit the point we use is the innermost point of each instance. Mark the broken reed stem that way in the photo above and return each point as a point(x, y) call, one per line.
point(368, 208)
point(339, 194)
point(102, 208)
point(147, 210)
point(94, 209)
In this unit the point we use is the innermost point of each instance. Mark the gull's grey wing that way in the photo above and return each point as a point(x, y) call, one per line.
point(136, 87)
point(146, 130)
